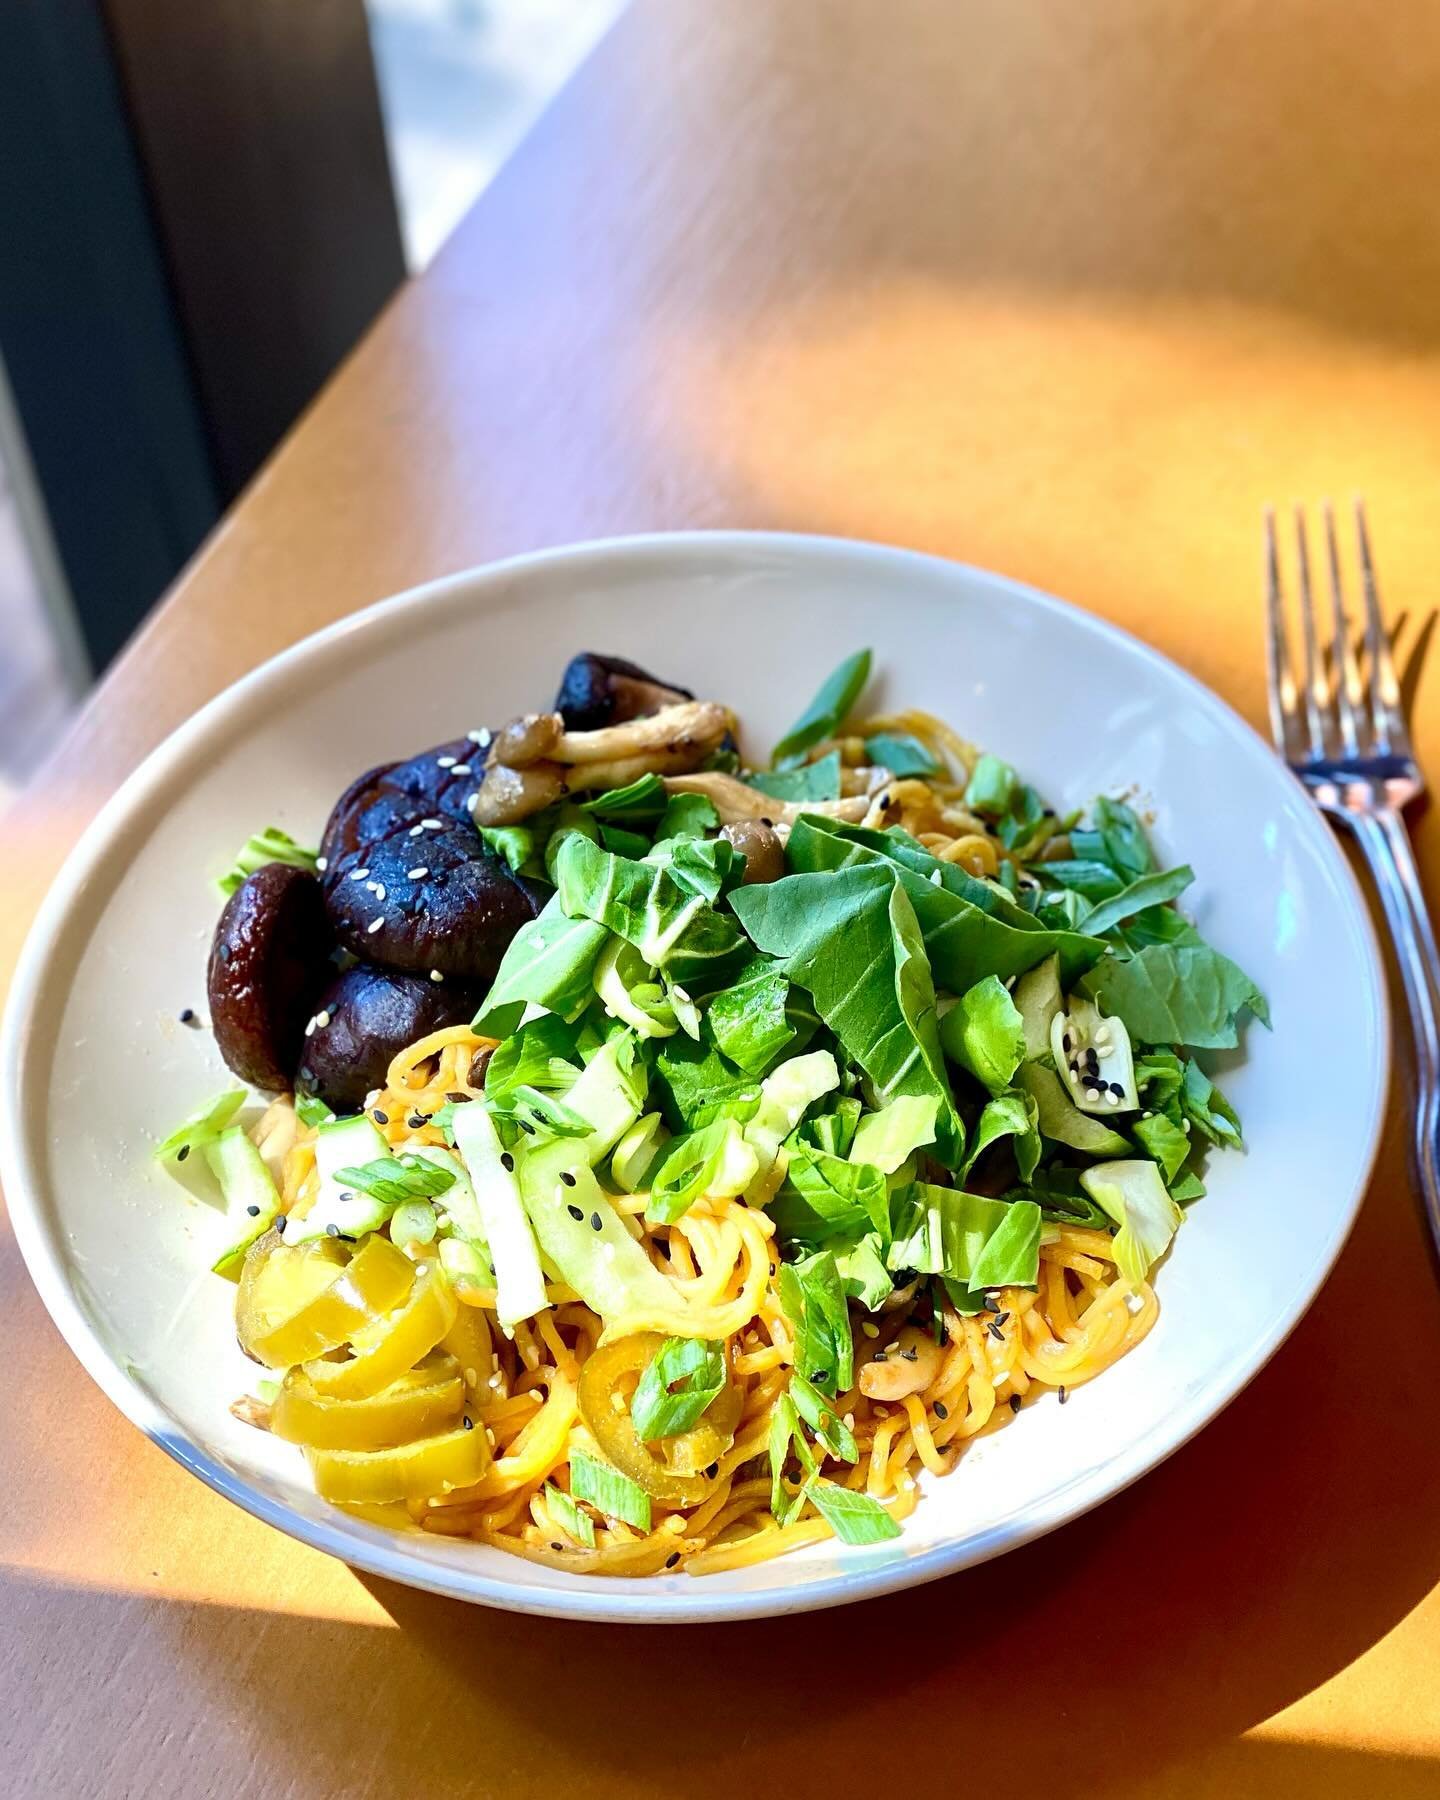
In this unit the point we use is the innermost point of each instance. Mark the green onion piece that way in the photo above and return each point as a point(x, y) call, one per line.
point(202, 1127)
point(826, 713)
point(413, 1222)
point(568, 1516)
point(831, 1431)
point(855, 1518)
point(395, 1180)
point(785, 1435)
point(610, 1492)
point(272, 845)
point(681, 1380)
point(992, 786)
point(310, 1109)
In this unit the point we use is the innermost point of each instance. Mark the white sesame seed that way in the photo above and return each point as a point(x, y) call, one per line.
point(321, 864)
point(461, 769)
point(322, 1019)
point(1105, 1050)
point(871, 1331)
point(379, 890)
point(1092, 1093)
point(417, 874)
point(432, 824)
point(1112, 1099)
point(472, 803)
point(1185, 1127)
point(374, 926)
point(358, 874)
point(480, 737)
point(935, 880)
point(1134, 1303)
point(310, 1028)
point(435, 975)
point(445, 762)
point(414, 831)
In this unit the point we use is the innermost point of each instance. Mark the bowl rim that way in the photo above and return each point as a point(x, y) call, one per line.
point(382, 1553)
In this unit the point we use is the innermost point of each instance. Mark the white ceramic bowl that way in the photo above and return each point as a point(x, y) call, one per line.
point(96, 1068)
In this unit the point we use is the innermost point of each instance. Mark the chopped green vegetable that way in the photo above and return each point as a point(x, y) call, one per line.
point(578, 1526)
point(698, 1085)
point(818, 780)
point(651, 907)
point(640, 802)
point(272, 845)
point(517, 846)
point(862, 1271)
point(680, 1381)
point(985, 1034)
point(814, 1301)
point(310, 1109)
point(1135, 1197)
point(971, 1240)
point(685, 816)
point(750, 1020)
point(396, 1179)
point(855, 1518)
point(1206, 1107)
point(251, 1200)
point(826, 713)
point(890, 1137)
point(1013, 1115)
point(715, 1160)
point(903, 755)
point(992, 786)
point(608, 1491)
point(202, 1127)
point(550, 963)
point(831, 1432)
point(638, 1152)
point(519, 1281)
point(1115, 837)
point(1176, 994)
point(852, 940)
point(1145, 891)
point(1166, 1142)
point(785, 1435)
point(414, 1222)
point(824, 1197)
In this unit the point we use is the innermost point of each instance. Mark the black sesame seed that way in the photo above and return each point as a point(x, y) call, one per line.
point(672, 1559)
point(594, 1221)
point(507, 1161)
point(416, 1120)
point(995, 1332)
point(1001, 1318)
point(567, 1178)
point(281, 1223)
point(1064, 1396)
point(769, 824)
point(187, 1017)
point(713, 1470)
point(819, 1374)
point(1066, 1043)
point(254, 1211)
point(379, 1117)
point(884, 800)
point(1094, 1062)
point(1116, 1088)
point(182, 1153)
point(575, 1212)
point(457, 1099)
point(332, 1231)
point(555, 1546)
point(468, 1423)
point(909, 1356)
point(347, 1196)
point(1014, 1403)
point(879, 1356)
point(942, 1411)
point(525, 1125)
point(772, 1268)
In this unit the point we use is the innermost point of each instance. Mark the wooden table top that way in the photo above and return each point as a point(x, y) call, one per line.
point(1068, 291)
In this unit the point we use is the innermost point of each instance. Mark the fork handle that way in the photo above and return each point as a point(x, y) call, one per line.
point(1386, 844)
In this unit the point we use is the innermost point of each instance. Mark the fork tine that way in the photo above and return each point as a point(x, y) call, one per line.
point(1386, 710)
point(1284, 708)
point(1347, 672)
point(1317, 683)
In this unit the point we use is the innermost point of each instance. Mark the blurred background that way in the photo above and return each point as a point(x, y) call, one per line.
point(203, 207)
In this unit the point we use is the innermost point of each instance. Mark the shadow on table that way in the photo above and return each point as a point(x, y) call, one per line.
point(1256, 1564)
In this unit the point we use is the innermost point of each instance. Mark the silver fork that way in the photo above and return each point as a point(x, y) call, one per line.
point(1346, 740)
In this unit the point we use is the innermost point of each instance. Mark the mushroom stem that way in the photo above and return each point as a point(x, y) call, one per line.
point(734, 801)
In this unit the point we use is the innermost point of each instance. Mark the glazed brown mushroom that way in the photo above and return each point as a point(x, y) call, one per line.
point(269, 960)
point(607, 690)
point(363, 1020)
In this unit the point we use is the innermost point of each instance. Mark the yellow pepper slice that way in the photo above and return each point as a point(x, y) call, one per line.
point(468, 1341)
point(607, 1381)
point(387, 1347)
point(423, 1401)
point(298, 1301)
point(415, 1471)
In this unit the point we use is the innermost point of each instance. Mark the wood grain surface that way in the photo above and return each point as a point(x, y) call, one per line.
point(1068, 291)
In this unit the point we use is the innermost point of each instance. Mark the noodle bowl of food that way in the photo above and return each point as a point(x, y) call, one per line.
point(710, 1136)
